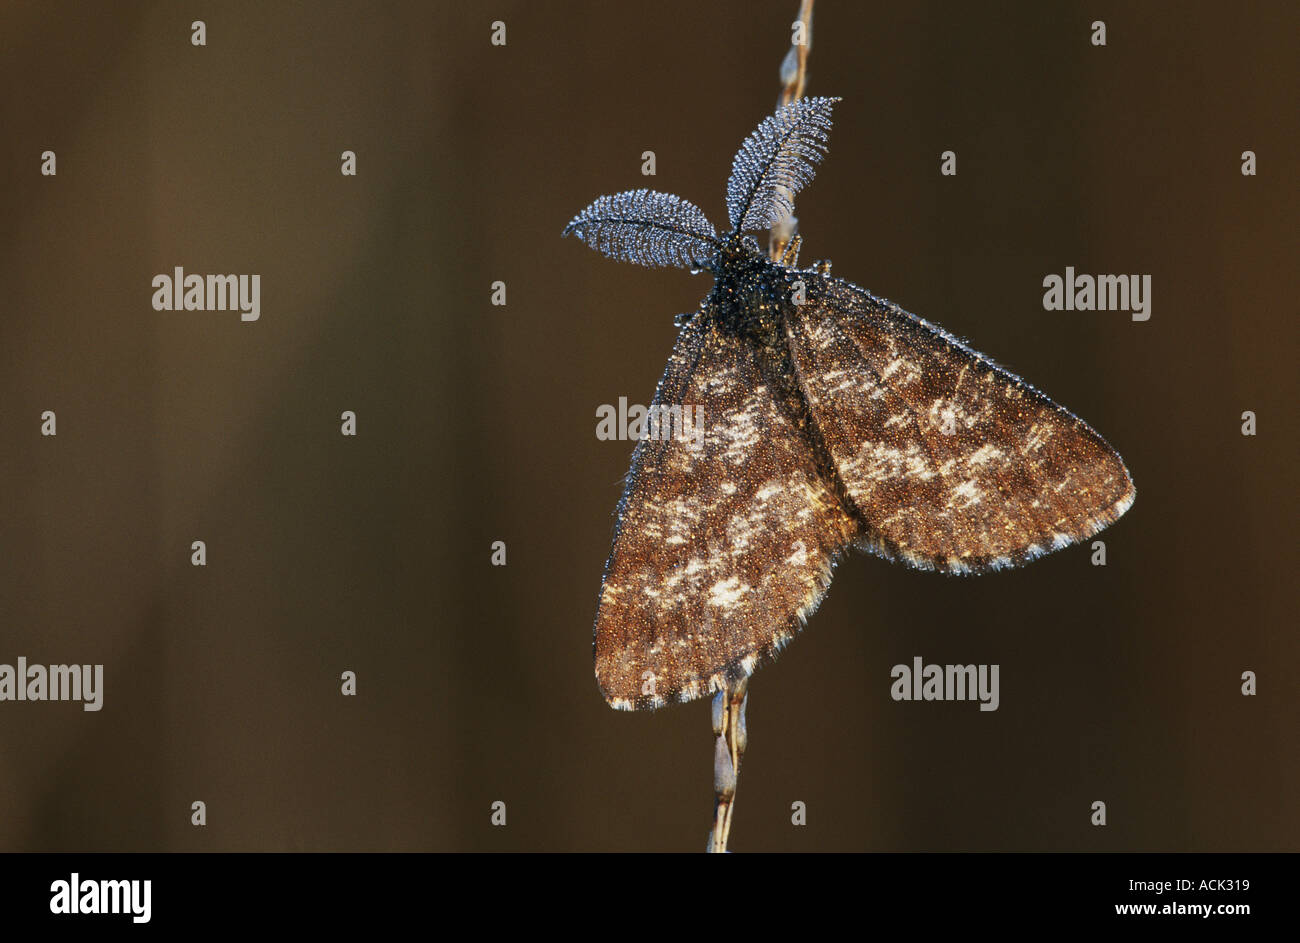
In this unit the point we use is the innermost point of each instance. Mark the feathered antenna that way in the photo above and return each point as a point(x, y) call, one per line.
point(647, 227)
point(777, 161)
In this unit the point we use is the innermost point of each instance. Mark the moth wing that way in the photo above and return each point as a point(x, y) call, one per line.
point(952, 462)
point(723, 546)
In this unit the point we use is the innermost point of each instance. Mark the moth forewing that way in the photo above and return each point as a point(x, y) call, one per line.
point(722, 549)
point(952, 462)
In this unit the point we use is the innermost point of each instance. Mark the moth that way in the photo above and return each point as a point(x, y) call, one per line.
point(833, 419)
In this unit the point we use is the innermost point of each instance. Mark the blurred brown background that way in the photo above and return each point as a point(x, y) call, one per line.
point(477, 423)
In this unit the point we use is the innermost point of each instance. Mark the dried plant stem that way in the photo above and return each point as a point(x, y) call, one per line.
point(729, 748)
point(794, 76)
point(729, 703)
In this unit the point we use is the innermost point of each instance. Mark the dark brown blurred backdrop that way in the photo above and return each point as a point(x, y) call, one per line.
point(477, 423)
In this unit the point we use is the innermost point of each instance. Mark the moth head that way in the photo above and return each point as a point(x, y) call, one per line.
point(738, 247)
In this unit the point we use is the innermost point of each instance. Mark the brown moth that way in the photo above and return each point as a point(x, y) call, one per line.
point(831, 419)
